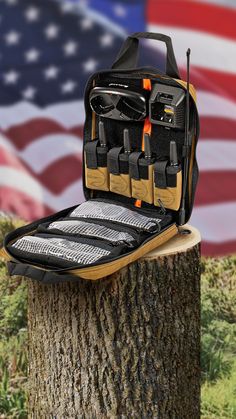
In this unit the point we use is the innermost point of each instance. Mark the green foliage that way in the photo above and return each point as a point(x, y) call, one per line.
point(13, 367)
point(218, 339)
point(13, 338)
point(219, 399)
point(8, 224)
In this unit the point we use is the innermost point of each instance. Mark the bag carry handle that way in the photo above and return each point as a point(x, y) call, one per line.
point(128, 56)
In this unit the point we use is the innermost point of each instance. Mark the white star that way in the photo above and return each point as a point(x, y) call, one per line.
point(51, 31)
point(32, 14)
point(86, 24)
point(70, 48)
point(11, 2)
point(12, 38)
point(67, 7)
point(32, 55)
point(120, 10)
point(90, 65)
point(84, 4)
point(69, 86)
point(51, 72)
point(11, 77)
point(29, 93)
point(107, 40)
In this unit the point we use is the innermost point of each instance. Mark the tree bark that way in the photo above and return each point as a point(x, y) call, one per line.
point(126, 346)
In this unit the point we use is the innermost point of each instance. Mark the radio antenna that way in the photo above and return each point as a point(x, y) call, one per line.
point(186, 143)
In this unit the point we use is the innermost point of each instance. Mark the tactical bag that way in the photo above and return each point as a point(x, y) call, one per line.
point(139, 175)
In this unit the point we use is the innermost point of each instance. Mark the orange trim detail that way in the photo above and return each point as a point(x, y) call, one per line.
point(138, 203)
point(147, 129)
point(147, 84)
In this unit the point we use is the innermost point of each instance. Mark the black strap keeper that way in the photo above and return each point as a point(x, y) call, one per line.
point(171, 175)
point(143, 169)
point(160, 174)
point(133, 164)
point(113, 160)
point(171, 180)
point(124, 167)
point(102, 156)
point(90, 149)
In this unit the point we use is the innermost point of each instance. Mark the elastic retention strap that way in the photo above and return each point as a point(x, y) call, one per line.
point(113, 160)
point(133, 165)
point(160, 174)
point(90, 149)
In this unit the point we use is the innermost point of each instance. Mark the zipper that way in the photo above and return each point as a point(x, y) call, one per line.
point(142, 211)
point(161, 215)
point(133, 231)
point(120, 256)
point(101, 222)
point(92, 242)
point(95, 263)
point(140, 229)
point(112, 249)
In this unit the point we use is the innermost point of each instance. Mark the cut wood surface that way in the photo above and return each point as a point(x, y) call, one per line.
point(188, 238)
point(126, 346)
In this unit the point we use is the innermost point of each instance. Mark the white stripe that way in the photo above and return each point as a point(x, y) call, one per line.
point(212, 105)
point(105, 22)
point(224, 3)
point(216, 155)
point(67, 115)
point(72, 114)
point(82, 8)
point(216, 223)
point(23, 182)
point(208, 51)
point(44, 151)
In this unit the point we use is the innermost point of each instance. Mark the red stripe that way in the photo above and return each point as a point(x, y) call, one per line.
point(22, 135)
point(56, 177)
point(216, 187)
point(218, 249)
point(19, 203)
point(11, 160)
point(218, 128)
point(220, 83)
point(61, 174)
point(193, 15)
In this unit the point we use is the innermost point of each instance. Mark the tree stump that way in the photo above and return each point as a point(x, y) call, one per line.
point(127, 346)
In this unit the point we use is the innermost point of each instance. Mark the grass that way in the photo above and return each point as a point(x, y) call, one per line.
point(13, 339)
point(218, 357)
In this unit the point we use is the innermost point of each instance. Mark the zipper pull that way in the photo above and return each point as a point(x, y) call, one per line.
point(163, 210)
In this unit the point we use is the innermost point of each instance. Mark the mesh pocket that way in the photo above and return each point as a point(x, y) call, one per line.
point(92, 230)
point(79, 253)
point(117, 213)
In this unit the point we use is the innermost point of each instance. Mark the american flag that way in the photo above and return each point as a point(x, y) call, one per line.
point(48, 50)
